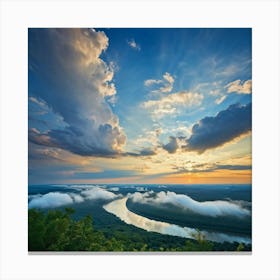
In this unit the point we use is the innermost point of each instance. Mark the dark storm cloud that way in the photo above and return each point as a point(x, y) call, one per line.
point(212, 132)
point(69, 140)
point(73, 141)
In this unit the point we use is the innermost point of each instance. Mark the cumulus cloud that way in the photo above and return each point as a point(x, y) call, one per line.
point(239, 87)
point(206, 208)
point(228, 124)
point(57, 199)
point(76, 85)
point(170, 103)
point(133, 44)
point(165, 85)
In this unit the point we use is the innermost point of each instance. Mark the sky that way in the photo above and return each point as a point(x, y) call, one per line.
point(140, 105)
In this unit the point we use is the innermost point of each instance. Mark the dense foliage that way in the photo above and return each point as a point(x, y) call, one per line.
point(56, 230)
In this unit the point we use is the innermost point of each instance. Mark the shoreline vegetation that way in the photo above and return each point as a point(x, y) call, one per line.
point(56, 230)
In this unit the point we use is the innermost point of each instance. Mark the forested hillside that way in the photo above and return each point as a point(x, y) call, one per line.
point(56, 230)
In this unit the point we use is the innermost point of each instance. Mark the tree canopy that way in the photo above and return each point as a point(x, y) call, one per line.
point(56, 230)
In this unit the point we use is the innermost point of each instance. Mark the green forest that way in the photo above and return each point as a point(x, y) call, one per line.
point(57, 230)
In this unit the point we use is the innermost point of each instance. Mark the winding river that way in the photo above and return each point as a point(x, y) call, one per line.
point(119, 209)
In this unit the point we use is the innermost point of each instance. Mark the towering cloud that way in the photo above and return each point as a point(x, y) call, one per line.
point(68, 77)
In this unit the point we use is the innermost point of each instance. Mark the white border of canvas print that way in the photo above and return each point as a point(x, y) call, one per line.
point(261, 16)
